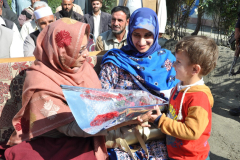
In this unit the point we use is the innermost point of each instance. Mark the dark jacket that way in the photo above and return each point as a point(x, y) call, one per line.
point(75, 15)
point(10, 15)
point(105, 22)
point(9, 24)
point(5, 4)
point(34, 36)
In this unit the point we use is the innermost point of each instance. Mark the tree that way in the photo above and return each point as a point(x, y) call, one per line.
point(223, 13)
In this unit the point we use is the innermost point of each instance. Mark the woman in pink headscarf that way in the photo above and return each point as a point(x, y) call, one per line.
point(60, 60)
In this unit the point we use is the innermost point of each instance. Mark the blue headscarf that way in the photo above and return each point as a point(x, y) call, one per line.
point(152, 68)
point(142, 18)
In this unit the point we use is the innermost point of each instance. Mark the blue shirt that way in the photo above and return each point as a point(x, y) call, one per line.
point(19, 5)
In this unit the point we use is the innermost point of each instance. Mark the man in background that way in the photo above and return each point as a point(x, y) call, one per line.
point(43, 17)
point(98, 20)
point(31, 26)
point(5, 4)
point(19, 5)
point(27, 13)
point(67, 11)
point(159, 6)
point(76, 8)
point(8, 14)
point(11, 44)
point(117, 36)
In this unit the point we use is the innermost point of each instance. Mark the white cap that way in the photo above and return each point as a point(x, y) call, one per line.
point(43, 12)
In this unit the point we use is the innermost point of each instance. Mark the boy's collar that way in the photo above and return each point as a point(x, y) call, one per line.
point(180, 86)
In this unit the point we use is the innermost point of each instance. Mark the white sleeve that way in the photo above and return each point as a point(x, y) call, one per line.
point(24, 32)
point(162, 15)
point(16, 48)
point(28, 47)
point(15, 29)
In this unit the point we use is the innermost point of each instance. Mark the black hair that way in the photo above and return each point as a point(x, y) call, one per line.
point(123, 9)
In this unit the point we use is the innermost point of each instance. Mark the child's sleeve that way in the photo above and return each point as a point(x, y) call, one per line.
point(194, 125)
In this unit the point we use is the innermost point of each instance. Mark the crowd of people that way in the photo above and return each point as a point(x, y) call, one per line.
point(135, 61)
point(107, 30)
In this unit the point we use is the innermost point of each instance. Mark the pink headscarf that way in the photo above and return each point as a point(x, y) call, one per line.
point(44, 107)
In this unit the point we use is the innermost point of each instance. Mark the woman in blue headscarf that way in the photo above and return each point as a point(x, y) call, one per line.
point(142, 64)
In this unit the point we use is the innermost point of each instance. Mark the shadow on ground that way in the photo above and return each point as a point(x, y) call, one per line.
point(216, 157)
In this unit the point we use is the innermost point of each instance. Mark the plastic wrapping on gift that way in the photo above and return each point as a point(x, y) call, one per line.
point(98, 109)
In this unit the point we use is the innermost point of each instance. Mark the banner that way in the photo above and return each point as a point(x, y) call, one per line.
point(98, 109)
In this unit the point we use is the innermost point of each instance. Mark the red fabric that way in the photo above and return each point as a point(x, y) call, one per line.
point(189, 149)
point(3, 147)
point(69, 148)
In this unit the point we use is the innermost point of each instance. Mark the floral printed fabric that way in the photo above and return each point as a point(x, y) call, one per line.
point(157, 151)
point(113, 77)
point(12, 76)
point(49, 109)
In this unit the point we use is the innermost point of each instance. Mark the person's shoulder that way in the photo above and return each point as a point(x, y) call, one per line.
point(104, 35)
point(106, 14)
point(77, 14)
point(201, 92)
point(77, 6)
point(88, 14)
point(166, 52)
point(9, 12)
point(57, 15)
point(36, 33)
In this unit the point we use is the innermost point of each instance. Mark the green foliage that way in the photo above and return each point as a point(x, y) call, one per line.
point(224, 12)
point(54, 4)
point(108, 5)
point(9, 2)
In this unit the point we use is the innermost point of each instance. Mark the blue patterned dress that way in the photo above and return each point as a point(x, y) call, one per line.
point(130, 69)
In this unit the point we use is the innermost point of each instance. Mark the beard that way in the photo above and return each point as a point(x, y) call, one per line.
point(66, 13)
point(119, 32)
point(96, 9)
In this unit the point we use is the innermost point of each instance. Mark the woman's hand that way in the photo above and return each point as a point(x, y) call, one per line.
point(149, 116)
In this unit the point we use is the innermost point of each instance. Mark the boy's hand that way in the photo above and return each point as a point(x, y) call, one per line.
point(149, 116)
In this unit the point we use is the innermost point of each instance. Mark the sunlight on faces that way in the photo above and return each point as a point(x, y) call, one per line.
point(119, 22)
point(83, 53)
point(45, 21)
point(96, 5)
point(67, 5)
point(142, 39)
point(183, 67)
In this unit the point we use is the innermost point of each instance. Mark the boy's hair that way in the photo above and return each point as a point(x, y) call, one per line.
point(200, 50)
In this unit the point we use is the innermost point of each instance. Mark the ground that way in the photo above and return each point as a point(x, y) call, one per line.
point(225, 137)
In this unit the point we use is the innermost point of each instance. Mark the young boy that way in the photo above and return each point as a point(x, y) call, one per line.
point(188, 121)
